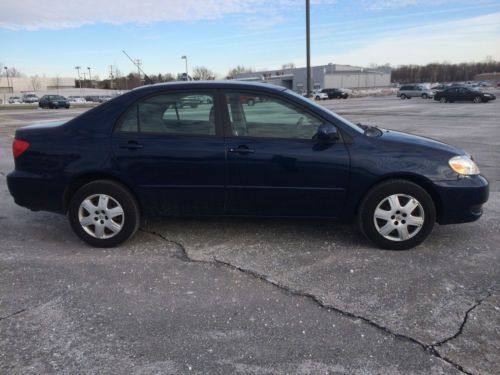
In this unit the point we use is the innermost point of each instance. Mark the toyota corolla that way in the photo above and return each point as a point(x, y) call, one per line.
point(145, 154)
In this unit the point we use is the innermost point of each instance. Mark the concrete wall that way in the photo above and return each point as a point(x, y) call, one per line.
point(25, 84)
point(352, 80)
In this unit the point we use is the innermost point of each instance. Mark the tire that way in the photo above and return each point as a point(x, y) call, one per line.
point(425, 96)
point(411, 201)
point(317, 98)
point(477, 99)
point(251, 102)
point(403, 96)
point(443, 100)
point(115, 229)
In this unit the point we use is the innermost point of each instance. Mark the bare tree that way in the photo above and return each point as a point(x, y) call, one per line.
point(202, 73)
point(35, 83)
point(13, 72)
point(289, 65)
point(238, 70)
point(56, 82)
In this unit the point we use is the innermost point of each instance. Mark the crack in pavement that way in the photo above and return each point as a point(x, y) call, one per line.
point(13, 314)
point(478, 302)
point(183, 255)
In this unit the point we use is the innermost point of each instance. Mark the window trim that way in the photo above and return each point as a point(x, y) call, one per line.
point(214, 93)
point(228, 133)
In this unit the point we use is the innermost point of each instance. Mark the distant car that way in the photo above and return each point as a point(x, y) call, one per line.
point(104, 98)
point(335, 93)
point(76, 99)
point(30, 98)
point(439, 87)
point(15, 100)
point(53, 102)
point(92, 98)
point(463, 94)
point(414, 91)
point(320, 95)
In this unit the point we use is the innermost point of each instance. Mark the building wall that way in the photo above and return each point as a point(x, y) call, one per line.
point(18, 85)
point(324, 76)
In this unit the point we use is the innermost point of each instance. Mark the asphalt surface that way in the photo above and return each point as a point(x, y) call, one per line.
point(257, 296)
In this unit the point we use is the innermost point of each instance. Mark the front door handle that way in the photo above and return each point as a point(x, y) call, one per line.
point(242, 150)
point(131, 145)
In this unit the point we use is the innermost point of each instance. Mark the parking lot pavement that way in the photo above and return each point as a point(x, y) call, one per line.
point(248, 296)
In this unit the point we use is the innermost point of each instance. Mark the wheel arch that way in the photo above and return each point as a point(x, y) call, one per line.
point(419, 180)
point(83, 179)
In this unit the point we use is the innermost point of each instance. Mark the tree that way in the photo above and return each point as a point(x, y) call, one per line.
point(56, 82)
point(35, 83)
point(289, 65)
point(202, 73)
point(238, 70)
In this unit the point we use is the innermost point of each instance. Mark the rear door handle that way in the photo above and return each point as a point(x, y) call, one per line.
point(131, 145)
point(242, 150)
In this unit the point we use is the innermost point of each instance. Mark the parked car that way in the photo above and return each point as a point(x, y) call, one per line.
point(414, 91)
point(15, 100)
point(76, 99)
point(53, 102)
point(142, 155)
point(30, 98)
point(92, 98)
point(439, 88)
point(460, 94)
point(335, 93)
point(320, 95)
point(104, 98)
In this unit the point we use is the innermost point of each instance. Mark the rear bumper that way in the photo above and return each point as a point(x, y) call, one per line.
point(36, 192)
point(462, 199)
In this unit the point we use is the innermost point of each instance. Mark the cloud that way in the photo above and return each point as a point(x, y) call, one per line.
point(470, 39)
point(35, 14)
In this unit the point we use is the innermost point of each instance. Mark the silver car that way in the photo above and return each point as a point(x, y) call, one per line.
point(413, 91)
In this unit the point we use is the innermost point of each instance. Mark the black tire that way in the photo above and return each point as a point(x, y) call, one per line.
point(477, 99)
point(317, 98)
point(131, 212)
point(367, 221)
point(403, 96)
point(425, 96)
point(251, 102)
point(443, 100)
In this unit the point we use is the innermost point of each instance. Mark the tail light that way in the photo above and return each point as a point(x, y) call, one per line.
point(19, 147)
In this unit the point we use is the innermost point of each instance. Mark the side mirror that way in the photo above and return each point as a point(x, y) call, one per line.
point(327, 134)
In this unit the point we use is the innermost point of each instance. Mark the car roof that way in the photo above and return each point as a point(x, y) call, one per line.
point(228, 84)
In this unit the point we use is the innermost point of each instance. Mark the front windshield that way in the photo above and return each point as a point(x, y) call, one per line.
point(323, 109)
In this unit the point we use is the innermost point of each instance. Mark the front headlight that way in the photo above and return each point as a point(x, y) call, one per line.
point(464, 165)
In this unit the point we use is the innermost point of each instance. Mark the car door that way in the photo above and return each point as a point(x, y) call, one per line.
point(274, 167)
point(173, 153)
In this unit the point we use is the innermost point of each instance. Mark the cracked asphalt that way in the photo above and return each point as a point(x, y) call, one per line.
point(248, 296)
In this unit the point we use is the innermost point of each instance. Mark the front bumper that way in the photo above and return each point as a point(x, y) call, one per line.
point(461, 200)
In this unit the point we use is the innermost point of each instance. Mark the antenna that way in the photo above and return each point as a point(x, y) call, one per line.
point(138, 64)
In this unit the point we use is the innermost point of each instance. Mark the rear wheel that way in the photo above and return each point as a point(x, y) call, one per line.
point(443, 100)
point(104, 213)
point(397, 215)
point(425, 96)
point(403, 96)
point(251, 102)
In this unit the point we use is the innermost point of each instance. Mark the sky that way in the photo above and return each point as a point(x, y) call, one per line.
point(262, 34)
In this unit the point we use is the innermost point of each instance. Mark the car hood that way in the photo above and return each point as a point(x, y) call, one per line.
point(418, 141)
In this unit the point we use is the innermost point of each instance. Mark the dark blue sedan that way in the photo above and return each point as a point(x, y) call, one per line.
point(200, 148)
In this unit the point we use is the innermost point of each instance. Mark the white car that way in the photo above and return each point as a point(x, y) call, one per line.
point(76, 99)
point(318, 95)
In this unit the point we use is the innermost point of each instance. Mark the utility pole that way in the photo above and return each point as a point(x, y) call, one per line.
point(85, 78)
point(79, 79)
point(90, 76)
point(146, 78)
point(187, 73)
point(111, 76)
point(308, 49)
point(8, 82)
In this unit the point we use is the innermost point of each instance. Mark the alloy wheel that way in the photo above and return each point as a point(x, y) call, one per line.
point(101, 216)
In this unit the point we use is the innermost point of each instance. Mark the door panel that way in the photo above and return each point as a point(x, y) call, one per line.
point(170, 147)
point(269, 174)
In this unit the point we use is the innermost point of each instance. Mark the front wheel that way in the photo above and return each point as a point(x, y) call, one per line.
point(403, 96)
point(397, 215)
point(443, 100)
point(104, 213)
point(477, 99)
point(425, 96)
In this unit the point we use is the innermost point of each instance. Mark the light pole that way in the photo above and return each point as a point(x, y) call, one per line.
point(308, 49)
point(7, 75)
point(79, 78)
point(85, 78)
point(90, 76)
point(187, 73)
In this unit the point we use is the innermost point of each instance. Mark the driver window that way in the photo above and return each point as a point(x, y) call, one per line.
point(267, 117)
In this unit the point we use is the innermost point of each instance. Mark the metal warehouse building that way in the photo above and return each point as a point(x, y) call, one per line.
point(323, 76)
